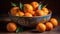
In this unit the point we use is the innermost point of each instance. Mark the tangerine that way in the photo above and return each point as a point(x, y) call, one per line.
point(34, 5)
point(11, 27)
point(49, 26)
point(54, 22)
point(28, 8)
point(41, 27)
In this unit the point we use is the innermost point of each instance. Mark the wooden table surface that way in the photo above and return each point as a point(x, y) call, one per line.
point(5, 20)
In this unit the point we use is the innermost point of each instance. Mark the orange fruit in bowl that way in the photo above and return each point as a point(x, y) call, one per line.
point(32, 12)
point(11, 27)
point(28, 15)
point(41, 27)
point(49, 26)
point(34, 5)
point(45, 14)
point(27, 8)
point(21, 13)
point(13, 11)
point(40, 12)
point(45, 10)
point(17, 14)
point(54, 22)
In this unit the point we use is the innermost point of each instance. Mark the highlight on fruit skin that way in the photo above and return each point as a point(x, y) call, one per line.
point(35, 5)
point(11, 27)
point(54, 22)
point(27, 8)
point(49, 26)
point(40, 27)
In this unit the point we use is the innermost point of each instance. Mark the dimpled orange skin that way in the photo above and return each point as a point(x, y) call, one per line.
point(28, 15)
point(40, 12)
point(41, 27)
point(28, 8)
point(45, 10)
point(35, 5)
point(13, 11)
point(49, 26)
point(54, 22)
point(11, 27)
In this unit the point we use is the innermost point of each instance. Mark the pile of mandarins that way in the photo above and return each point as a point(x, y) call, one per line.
point(47, 26)
point(29, 10)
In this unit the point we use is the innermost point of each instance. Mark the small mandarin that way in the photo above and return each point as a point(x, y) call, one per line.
point(41, 27)
point(54, 22)
point(28, 8)
point(28, 15)
point(45, 14)
point(34, 5)
point(13, 11)
point(32, 12)
point(49, 26)
point(17, 14)
point(21, 13)
point(45, 10)
point(11, 27)
point(40, 12)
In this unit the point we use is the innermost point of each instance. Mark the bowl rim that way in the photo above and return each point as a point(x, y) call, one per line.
point(50, 12)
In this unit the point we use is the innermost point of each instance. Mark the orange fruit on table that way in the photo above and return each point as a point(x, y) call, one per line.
point(28, 8)
point(35, 5)
point(49, 26)
point(45, 10)
point(28, 15)
point(11, 27)
point(41, 27)
point(13, 11)
point(54, 22)
point(40, 12)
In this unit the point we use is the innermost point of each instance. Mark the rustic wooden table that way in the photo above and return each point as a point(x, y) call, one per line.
point(5, 20)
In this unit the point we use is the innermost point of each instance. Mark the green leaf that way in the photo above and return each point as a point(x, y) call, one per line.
point(13, 4)
point(40, 6)
point(21, 6)
point(19, 29)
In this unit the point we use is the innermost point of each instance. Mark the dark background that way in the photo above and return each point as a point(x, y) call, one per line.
point(54, 5)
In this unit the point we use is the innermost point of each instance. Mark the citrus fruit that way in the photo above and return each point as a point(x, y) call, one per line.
point(40, 12)
point(49, 26)
point(28, 8)
point(11, 26)
point(28, 15)
point(13, 11)
point(17, 14)
point(34, 5)
point(45, 10)
point(32, 12)
point(21, 13)
point(54, 22)
point(41, 27)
